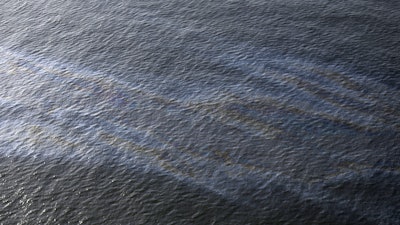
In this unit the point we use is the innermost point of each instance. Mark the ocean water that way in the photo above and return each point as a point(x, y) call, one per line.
point(199, 112)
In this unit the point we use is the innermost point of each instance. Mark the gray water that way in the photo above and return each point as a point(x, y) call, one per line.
point(199, 112)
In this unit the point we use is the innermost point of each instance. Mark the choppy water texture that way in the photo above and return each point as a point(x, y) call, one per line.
point(199, 112)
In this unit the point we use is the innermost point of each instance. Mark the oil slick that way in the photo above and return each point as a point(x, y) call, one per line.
point(289, 125)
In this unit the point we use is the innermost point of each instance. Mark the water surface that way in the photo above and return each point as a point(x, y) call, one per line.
point(199, 112)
